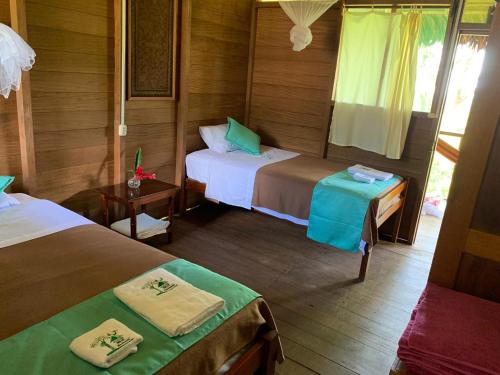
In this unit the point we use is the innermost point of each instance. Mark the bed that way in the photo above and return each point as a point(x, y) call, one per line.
point(280, 183)
point(58, 259)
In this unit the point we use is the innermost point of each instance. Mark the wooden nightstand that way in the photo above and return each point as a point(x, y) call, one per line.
point(135, 200)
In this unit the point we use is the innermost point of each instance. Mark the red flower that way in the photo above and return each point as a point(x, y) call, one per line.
point(141, 175)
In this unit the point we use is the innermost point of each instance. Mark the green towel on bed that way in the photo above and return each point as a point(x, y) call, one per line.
point(338, 209)
point(43, 348)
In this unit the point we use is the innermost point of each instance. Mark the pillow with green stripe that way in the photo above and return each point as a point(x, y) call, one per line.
point(242, 137)
point(5, 181)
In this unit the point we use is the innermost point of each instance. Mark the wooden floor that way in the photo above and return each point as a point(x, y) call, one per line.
point(329, 323)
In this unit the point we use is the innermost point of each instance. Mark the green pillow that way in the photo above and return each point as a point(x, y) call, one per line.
point(242, 137)
point(4, 182)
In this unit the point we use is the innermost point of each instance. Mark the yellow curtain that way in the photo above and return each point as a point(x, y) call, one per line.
point(376, 80)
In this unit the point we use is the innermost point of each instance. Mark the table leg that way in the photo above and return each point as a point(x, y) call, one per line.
point(105, 209)
point(133, 221)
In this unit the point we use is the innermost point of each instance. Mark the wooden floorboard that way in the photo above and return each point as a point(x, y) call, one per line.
point(329, 323)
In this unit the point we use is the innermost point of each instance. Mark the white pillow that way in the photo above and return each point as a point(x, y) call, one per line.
point(214, 137)
point(6, 201)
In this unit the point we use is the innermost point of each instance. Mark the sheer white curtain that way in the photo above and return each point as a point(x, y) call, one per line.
point(15, 56)
point(303, 14)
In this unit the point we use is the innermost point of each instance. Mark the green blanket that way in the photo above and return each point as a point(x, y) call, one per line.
point(43, 348)
point(338, 209)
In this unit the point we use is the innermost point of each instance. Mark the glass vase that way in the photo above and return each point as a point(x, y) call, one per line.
point(134, 182)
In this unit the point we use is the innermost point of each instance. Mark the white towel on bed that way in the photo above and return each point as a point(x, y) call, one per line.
point(370, 172)
point(363, 178)
point(168, 302)
point(106, 344)
point(147, 226)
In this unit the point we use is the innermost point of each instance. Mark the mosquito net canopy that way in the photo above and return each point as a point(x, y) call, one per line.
point(303, 14)
point(15, 56)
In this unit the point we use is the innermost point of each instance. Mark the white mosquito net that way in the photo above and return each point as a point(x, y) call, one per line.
point(303, 14)
point(15, 55)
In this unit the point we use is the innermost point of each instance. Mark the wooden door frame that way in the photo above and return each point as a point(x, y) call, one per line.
point(456, 234)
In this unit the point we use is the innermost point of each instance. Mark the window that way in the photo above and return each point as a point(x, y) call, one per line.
point(431, 39)
point(432, 33)
point(467, 65)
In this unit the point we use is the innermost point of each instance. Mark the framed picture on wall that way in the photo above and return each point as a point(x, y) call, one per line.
point(152, 45)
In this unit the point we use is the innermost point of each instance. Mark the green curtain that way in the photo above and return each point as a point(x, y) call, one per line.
point(376, 80)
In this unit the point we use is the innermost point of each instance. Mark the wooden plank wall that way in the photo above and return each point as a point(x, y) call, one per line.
point(291, 91)
point(72, 95)
point(414, 163)
point(72, 92)
point(151, 125)
point(10, 159)
point(220, 34)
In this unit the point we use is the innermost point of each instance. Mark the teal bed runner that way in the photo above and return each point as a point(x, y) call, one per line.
point(44, 347)
point(338, 209)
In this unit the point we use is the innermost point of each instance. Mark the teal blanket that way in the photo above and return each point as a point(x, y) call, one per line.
point(338, 209)
point(43, 348)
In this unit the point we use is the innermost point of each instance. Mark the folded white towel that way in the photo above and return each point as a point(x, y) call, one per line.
point(147, 226)
point(363, 178)
point(168, 302)
point(370, 172)
point(106, 344)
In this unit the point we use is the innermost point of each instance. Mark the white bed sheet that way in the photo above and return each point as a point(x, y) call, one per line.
point(35, 218)
point(230, 176)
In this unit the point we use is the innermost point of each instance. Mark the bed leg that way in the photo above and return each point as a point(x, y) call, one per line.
point(399, 216)
point(182, 201)
point(397, 225)
point(270, 353)
point(365, 263)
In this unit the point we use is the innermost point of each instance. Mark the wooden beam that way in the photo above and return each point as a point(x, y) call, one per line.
point(23, 100)
point(447, 150)
point(251, 54)
point(118, 142)
point(484, 245)
point(183, 105)
point(472, 162)
point(323, 149)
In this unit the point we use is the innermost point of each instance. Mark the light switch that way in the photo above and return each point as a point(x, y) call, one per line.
point(122, 130)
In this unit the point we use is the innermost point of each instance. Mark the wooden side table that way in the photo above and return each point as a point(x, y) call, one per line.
point(135, 201)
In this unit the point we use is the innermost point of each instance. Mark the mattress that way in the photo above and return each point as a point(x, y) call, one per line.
point(35, 218)
point(68, 266)
point(230, 176)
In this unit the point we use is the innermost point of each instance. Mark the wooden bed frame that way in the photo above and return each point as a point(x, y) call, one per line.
point(260, 358)
point(387, 205)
